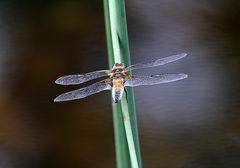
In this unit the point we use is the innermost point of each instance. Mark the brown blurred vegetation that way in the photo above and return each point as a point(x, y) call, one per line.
point(42, 40)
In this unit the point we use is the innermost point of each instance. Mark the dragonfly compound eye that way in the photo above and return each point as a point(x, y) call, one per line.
point(119, 65)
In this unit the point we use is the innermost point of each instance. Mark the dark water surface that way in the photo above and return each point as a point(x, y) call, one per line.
point(194, 123)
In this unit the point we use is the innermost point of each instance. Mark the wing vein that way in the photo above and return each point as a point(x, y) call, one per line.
point(84, 92)
point(155, 79)
point(81, 78)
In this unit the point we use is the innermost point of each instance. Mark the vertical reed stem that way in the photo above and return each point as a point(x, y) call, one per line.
point(124, 115)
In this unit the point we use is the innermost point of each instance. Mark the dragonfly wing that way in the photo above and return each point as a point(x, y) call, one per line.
point(84, 92)
point(80, 78)
point(157, 62)
point(155, 79)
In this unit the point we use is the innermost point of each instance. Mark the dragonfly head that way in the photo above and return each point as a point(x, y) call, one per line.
point(118, 66)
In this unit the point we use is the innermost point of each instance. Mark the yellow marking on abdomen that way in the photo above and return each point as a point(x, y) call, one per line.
point(118, 83)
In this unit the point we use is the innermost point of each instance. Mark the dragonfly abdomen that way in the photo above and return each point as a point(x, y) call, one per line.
point(117, 89)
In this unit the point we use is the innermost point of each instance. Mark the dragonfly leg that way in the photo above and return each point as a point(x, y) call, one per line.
point(126, 94)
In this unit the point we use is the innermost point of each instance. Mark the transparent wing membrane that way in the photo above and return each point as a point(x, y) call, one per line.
point(155, 79)
point(157, 62)
point(84, 92)
point(117, 73)
point(81, 78)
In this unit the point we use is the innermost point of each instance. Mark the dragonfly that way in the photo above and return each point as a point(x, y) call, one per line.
point(117, 79)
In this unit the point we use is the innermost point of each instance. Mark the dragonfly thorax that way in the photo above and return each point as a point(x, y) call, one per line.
point(118, 71)
point(117, 75)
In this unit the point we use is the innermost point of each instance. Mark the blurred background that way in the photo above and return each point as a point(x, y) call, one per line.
point(193, 123)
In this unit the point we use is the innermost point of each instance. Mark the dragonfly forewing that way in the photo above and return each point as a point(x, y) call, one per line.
point(157, 62)
point(81, 78)
point(155, 79)
point(84, 92)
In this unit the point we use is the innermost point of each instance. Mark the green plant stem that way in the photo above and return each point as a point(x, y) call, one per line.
point(124, 115)
point(129, 133)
